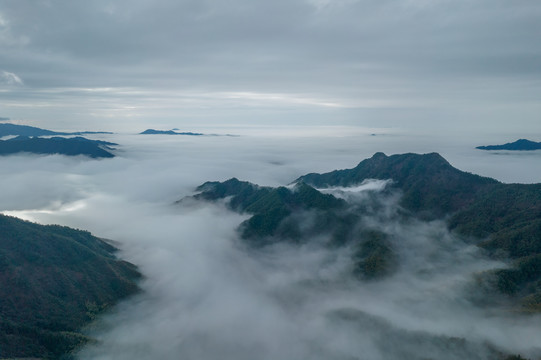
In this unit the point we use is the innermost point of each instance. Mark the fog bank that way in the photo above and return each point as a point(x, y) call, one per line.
point(207, 297)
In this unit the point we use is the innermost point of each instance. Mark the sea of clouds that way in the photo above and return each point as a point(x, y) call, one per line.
point(205, 296)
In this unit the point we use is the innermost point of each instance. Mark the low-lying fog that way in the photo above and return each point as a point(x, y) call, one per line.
point(206, 297)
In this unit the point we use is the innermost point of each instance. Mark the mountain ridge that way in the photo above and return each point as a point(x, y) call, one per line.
point(519, 145)
point(504, 219)
point(57, 145)
point(26, 130)
point(432, 187)
point(168, 132)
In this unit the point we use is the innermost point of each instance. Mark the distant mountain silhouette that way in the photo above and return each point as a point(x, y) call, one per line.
point(519, 145)
point(57, 145)
point(24, 130)
point(168, 132)
point(505, 219)
point(53, 281)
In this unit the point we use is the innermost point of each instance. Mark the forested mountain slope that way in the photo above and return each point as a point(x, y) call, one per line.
point(505, 219)
point(53, 281)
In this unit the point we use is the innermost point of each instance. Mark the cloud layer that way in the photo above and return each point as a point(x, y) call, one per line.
point(406, 63)
point(208, 297)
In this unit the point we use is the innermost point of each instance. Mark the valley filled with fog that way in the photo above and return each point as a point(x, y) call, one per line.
point(396, 257)
point(206, 296)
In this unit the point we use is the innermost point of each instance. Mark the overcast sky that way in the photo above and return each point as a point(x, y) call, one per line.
point(125, 65)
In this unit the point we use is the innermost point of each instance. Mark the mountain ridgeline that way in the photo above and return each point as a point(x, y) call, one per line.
point(431, 187)
point(57, 145)
point(30, 139)
point(504, 219)
point(168, 132)
point(519, 145)
point(53, 281)
point(25, 130)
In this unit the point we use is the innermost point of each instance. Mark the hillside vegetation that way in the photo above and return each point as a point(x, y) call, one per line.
point(504, 219)
point(53, 281)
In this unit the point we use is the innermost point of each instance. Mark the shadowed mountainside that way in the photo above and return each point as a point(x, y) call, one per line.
point(271, 207)
point(431, 187)
point(505, 219)
point(53, 281)
point(57, 145)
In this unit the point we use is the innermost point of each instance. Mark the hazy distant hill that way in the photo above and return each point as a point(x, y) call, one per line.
point(504, 218)
point(57, 145)
point(519, 145)
point(167, 132)
point(53, 281)
point(24, 130)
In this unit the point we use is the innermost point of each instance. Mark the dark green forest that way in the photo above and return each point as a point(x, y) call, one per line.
point(53, 281)
point(503, 219)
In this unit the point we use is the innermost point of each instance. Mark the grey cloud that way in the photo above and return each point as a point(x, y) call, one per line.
point(399, 57)
point(214, 301)
point(269, 39)
point(9, 78)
